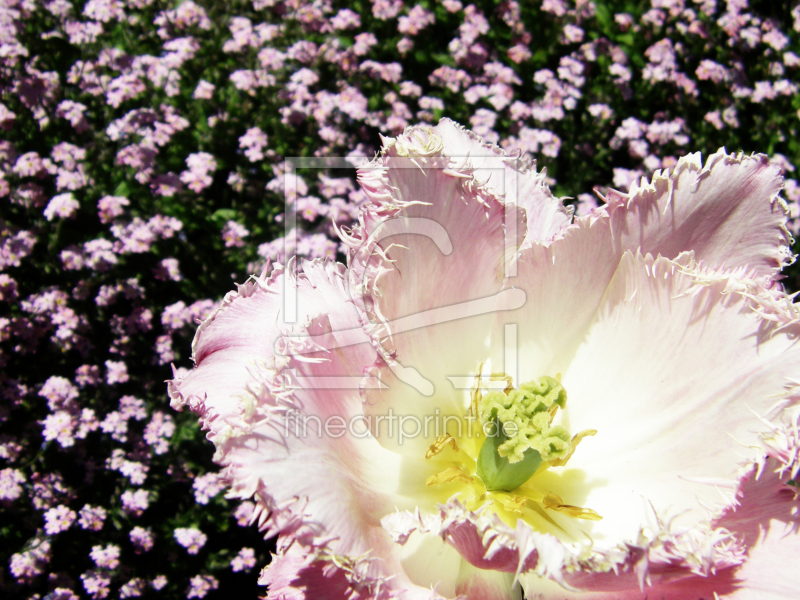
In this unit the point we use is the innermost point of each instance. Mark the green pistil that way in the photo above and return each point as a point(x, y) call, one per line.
point(519, 436)
point(496, 472)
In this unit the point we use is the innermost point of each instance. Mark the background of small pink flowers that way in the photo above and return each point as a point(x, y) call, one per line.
point(142, 174)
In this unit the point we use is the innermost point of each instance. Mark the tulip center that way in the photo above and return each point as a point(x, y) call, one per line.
point(519, 434)
point(516, 442)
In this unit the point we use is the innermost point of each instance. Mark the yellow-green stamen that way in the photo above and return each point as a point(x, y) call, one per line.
point(519, 434)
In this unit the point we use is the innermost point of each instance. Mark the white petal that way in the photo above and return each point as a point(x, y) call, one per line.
point(671, 381)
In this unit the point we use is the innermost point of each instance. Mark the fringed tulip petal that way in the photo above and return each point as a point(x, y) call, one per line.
point(279, 404)
point(655, 327)
point(767, 519)
point(644, 357)
point(727, 211)
point(479, 584)
point(510, 180)
point(431, 215)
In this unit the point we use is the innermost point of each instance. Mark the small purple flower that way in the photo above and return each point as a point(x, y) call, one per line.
point(136, 502)
point(100, 254)
point(207, 486)
point(15, 248)
point(233, 234)
point(67, 179)
point(74, 113)
point(158, 431)
point(135, 471)
point(132, 408)
point(59, 392)
point(253, 142)
point(200, 585)
point(92, 517)
point(190, 538)
point(96, 584)
point(105, 557)
point(7, 117)
point(602, 112)
point(386, 9)
point(133, 589)
point(244, 513)
point(204, 90)
point(175, 316)
point(87, 375)
point(10, 484)
point(363, 42)
point(168, 270)
point(24, 566)
point(58, 519)
point(244, 561)
point(418, 19)
point(60, 426)
point(164, 349)
point(200, 164)
point(29, 165)
point(9, 448)
point(68, 155)
point(136, 237)
point(111, 207)
point(64, 206)
point(116, 424)
point(117, 372)
point(142, 539)
point(61, 593)
point(572, 34)
point(345, 19)
point(49, 490)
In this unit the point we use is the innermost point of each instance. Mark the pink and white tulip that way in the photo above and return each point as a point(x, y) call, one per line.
point(661, 315)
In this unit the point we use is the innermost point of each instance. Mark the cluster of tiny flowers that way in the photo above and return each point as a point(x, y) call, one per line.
point(190, 538)
point(141, 174)
point(200, 585)
point(58, 519)
point(92, 517)
point(142, 539)
point(207, 486)
point(96, 583)
point(244, 561)
point(105, 557)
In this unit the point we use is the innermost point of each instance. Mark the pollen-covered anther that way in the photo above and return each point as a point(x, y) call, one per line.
point(449, 475)
point(525, 416)
point(521, 439)
point(554, 502)
point(439, 444)
point(512, 502)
